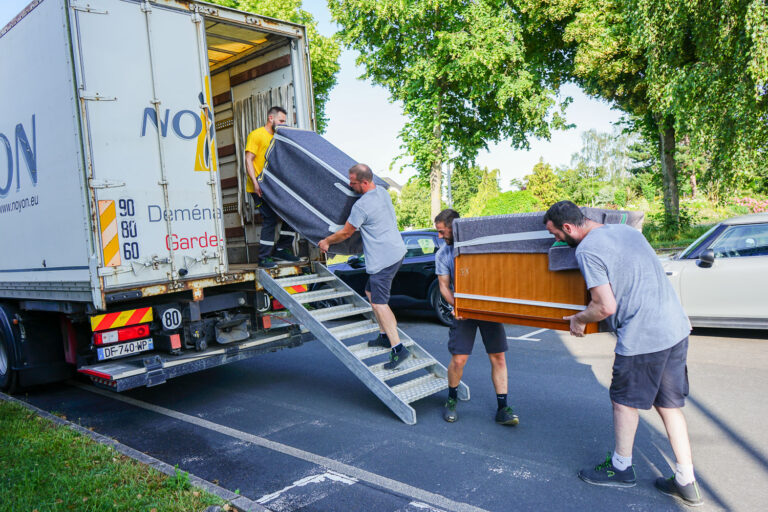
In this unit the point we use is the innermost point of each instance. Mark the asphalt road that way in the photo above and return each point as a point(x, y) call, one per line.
point(294, 430)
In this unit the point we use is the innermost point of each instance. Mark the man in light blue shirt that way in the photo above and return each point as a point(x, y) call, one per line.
point(374, 215)
point(629, 289)
point(462, 333)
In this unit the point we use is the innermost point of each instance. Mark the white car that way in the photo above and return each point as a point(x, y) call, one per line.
point(722, 278)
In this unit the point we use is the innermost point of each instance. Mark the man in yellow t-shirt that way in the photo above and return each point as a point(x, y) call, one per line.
point(255, 156)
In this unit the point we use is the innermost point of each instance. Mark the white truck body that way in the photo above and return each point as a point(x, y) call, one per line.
point(109, 165)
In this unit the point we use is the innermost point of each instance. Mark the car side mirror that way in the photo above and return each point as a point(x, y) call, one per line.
point(706, 259)
point(354, 262)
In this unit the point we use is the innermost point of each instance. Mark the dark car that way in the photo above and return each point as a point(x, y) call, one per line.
point(415, 284)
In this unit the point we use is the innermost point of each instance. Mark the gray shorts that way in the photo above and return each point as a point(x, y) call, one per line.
point(659, 378)
point(380, 283)
point(461, 336)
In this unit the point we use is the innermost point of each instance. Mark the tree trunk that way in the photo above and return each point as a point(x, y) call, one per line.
point(436, 173)
point(669, 173)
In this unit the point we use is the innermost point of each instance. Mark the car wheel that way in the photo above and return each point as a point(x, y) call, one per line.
point(443, 310)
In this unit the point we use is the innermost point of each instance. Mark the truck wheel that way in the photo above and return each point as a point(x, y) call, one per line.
point(442, 309)
point(8, 376)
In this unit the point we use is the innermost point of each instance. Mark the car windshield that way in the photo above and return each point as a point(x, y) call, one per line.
point(695, 244)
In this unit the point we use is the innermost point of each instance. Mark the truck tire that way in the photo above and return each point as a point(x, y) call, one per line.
point(442, 309)
point(8, 375)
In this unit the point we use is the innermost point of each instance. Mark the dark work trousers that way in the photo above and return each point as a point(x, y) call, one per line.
point(270, 220)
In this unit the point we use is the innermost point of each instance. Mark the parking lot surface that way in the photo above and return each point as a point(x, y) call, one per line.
point(294, 430)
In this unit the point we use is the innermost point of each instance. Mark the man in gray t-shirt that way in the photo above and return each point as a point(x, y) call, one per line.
point(374, 215)
point(630, 290)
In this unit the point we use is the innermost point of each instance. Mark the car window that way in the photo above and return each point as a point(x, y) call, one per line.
point(741, 241)
point(419, 246)
point(698, 241)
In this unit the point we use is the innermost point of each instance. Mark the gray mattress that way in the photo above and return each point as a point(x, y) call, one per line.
point(525, 233)
point(306, 181)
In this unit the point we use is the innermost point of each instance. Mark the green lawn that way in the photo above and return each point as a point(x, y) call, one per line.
point(48, 467)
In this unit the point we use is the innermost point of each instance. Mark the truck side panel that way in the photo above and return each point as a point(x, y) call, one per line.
point(44, 220)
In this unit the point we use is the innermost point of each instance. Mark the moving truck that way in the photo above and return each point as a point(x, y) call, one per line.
point(128, 245)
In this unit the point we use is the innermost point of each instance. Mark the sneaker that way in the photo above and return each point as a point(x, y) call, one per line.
point(283, 255)
point(449, 411)
point(396, 359)
point(267, 263)
point(380, 341)
point(688, 494)
point(607, 474)
point(505, 416)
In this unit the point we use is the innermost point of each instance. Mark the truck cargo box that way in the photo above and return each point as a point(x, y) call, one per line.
point(509, 269)
point(121, 140)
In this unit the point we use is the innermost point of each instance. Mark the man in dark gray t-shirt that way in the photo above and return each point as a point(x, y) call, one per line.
point(630, 290)
point(374, 215)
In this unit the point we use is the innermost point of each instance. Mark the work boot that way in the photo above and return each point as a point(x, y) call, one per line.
point(449, 411)
point(505, 416)
point(380, 341)
point(688, 494)
point(607, 474)
point(267, 263)
point(283, 255)
point(396, 358)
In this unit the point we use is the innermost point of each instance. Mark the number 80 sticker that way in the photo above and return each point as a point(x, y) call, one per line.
point(171, 319)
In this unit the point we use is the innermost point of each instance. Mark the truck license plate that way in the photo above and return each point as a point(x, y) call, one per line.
point(124, 349)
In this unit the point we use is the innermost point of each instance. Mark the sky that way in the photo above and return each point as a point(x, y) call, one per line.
point(364, 123)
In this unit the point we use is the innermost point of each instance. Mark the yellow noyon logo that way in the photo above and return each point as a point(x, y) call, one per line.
point(205, 157)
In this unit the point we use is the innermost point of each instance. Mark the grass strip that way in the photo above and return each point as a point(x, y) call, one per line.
point(48, 467)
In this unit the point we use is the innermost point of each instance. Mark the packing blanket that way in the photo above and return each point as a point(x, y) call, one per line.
point(525, 233)
point(306, 181)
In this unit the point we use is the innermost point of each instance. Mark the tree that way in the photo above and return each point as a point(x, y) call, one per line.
point(467, 74)
point(465, 182)
point(487, 190)
point(517, 201)
point(323, 51)
point(411, 209)
point(543, 183)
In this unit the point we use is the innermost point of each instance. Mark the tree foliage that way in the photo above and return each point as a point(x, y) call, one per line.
point(465, 182)
point(467, 73)
point(323, 51)
point(411, 208)
point(486, 190)
point(517, 201)
point(543, 184)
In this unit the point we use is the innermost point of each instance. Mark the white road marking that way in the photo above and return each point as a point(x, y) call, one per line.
point(314, 479)
point(527, 337)
point(334, 465)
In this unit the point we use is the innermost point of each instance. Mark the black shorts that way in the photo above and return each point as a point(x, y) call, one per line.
point(658, 378)
point(380, 283)
point(461, 336)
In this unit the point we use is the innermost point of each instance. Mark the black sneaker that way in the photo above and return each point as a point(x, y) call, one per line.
point(449, 411)
point(396, 358)
point(688, 494)
point(283, 255)
point(607, 474)
point(380, 341)
point(267, 263)
point(505, 416)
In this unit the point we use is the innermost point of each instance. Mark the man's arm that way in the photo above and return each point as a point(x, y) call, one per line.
point(602, 305)
point(445, 288)
point(347, 231)
point(249, 158)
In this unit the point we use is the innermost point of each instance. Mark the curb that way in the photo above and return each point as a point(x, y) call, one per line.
point(236, 501)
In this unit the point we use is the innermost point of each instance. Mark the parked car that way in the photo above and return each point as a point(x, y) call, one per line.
point(722, 278)
point(415, 284)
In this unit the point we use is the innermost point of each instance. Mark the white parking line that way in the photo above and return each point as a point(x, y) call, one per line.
point(328, 476)
point(527, 337)
point(334, 465)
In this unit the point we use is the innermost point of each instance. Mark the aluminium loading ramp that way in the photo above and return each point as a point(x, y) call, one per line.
point(419, 376)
